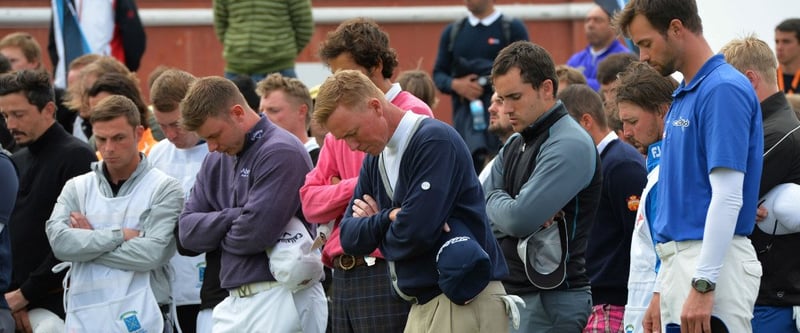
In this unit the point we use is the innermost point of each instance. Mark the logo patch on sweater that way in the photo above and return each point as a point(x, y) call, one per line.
point(494, 41)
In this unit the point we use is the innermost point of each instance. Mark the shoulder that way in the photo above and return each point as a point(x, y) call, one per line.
point(159, 150)
point(408, 102)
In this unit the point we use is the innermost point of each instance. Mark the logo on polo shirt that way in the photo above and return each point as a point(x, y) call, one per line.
point(681, 122)
point(245, 173)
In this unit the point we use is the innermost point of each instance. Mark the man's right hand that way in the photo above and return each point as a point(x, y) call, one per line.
point(467, 87)
point(652, 317)
point(22, 321)
point(128, 234)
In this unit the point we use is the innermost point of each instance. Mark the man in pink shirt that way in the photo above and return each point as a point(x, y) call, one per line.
point(362, 294)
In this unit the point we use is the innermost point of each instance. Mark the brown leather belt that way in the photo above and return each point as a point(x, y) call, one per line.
point(347, 262)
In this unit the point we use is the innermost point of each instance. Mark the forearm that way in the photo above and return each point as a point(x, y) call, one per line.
point(203, 231)
point(323, 203)
point(42, 280)
point(723, 212)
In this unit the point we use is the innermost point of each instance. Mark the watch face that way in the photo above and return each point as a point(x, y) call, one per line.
point(702, 285)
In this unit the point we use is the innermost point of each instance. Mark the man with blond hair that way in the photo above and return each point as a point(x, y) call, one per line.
point(287, 103)
point(416, 180)
point(244, 197)
point(779, 291)
point(22, 51)
point(180, 156)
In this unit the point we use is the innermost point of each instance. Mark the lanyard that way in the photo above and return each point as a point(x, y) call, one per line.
point(795, 81)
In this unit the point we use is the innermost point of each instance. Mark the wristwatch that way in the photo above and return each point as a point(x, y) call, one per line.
point(703, 285)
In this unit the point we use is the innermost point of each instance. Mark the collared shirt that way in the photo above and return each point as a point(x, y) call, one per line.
point(714, 122)
point(611, 136)
point(393, 152)
point(393, 92)
point(487, 21)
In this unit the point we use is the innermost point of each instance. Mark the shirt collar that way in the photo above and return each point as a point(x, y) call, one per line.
point(710, 65)
point(400, 135)
point(487, 21)
point(611, 136)
point(393, 92)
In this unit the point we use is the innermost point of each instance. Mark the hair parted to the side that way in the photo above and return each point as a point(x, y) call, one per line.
point(33, 84)
point(580, 99)
point(208, 97)
point(790, 25)
point(419, 83)
point(569, 75)
point(534, 62)
point(611, 66)
point(27, 44)
point(121, 84)
point(169, 89)
point(751, 53)
point(76, 96)
point(364, 40)
point(292, 87)
point(660, 13)
point(116, 106)
point(347, 88)
point(642, 85)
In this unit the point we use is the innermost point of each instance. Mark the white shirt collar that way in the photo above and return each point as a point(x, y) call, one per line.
point(611, 136)
point(393, 92)
point(487, 21)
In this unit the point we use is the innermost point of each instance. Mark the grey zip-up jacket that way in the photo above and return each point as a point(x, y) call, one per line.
point(150, 251)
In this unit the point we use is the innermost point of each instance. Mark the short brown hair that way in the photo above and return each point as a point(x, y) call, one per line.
point(534, 63)
point(169, 89)
point(115, 106)
point(660, 13)
point(154, 74)
point(26, 43)
point(419, 83)
point(345, 88)
point(209, 97)
point(76, 94)
point(121, 84)
point(364, 40)
point(611, 66)
point(569, 75)
point(293, 87)
point(580, 99)
point(751, 53)
point(642, 85)
point(83, 61)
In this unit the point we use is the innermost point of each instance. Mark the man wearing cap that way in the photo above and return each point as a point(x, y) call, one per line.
point(779, 290)
point(551, 165)
point(419, 173)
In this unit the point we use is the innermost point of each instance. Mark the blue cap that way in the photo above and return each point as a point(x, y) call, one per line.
point(464, 266)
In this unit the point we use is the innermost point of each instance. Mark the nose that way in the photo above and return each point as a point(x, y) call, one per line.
point(644, 56)
point(352, 144)
point(212, 146)
point(627, 131)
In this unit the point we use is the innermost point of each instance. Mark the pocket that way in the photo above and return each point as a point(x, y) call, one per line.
point(138, 311)
point(752, 268)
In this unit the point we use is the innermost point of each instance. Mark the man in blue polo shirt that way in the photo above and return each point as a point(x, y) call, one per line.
point(710, 172)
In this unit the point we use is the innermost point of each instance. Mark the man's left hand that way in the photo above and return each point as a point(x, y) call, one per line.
point(696, 313)
point(16, 300)
point(365, 207)
point(78, 220)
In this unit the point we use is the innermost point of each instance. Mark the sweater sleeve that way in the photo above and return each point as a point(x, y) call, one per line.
point(626, 179)
point(563, 168)
point(74, 244)
point(362, 235)
point(156, 244)
point(442, 69)
point(220, 19)
point(321, 200)
point(202, 224)
point(302, 21)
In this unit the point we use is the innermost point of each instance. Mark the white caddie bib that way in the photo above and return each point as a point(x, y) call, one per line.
point(105, 299)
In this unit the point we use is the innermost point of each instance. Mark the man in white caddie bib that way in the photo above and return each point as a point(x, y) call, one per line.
point(115, 225)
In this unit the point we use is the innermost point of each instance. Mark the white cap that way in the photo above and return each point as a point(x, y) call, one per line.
point(783, 206)
point(292, 262)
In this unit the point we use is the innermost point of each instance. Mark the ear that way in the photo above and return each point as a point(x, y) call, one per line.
point(377, 70)
point(586, 121)
point(753, 77)
point(662, 110)
point(374, 105)
point(138, 131)
point(303, 111)
point(50, 110)
point(236, 112)
point(546, 88)
point(675, 27)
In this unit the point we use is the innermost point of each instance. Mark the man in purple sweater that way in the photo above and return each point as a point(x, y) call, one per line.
point(244, 196)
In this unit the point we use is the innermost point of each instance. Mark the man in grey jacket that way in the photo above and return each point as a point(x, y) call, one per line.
point(115, 224)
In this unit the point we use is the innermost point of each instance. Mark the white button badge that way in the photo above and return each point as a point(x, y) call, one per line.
point(425, 186)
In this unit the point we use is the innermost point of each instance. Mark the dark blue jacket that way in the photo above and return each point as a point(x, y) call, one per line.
point(436, 184)
point(8, 195)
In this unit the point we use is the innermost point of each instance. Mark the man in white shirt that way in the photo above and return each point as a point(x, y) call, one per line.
point(287, 103)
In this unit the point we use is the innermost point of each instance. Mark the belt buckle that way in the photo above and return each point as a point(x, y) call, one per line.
point(244, 291)
point(348, 266)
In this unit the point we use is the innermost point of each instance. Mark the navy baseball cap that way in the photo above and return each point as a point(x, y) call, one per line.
point(464, 266)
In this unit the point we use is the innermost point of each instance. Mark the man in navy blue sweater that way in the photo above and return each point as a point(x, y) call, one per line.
point(609, 246)
point(466, 50)
point(419, 173)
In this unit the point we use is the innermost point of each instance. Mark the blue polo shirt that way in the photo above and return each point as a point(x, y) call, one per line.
point(714, 121)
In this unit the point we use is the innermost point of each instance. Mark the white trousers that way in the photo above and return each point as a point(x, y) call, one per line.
point(277, 310)
point(44, 321)
point(737, 285)
point(204, 321)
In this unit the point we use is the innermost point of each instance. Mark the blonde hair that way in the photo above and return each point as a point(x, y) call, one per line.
point(345, 88)
point(27, 44)
point(751, 53)
point(209, 97)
